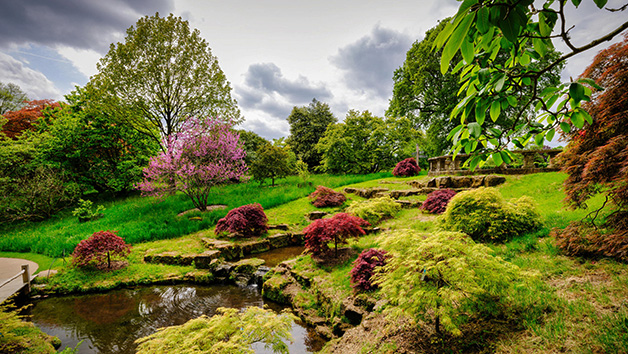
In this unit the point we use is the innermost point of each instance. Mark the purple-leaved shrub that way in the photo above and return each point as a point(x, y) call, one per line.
point(364, 268)
point(406, 168)
point(245, 221)
point(436, 202)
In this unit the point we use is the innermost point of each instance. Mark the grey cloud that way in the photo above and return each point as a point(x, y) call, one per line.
point(35, 84)
point(268, 128)
point(85, 24)
point(267, 90)
point(268, 77)
point(369, 63)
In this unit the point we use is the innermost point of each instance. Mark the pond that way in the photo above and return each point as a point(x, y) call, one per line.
point(111, 322)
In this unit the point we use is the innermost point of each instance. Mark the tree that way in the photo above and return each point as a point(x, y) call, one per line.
point(596, 158)
point(163, 73)
point(245, 221)
point(442, 277)
point(251, 142)
point(480, 31)
point(98, 151)
point(11, 98)
point(339, 228)
point(406, 168)
point(99, 249)
point(271, 162)
point(203, 154)
point(363, 143)
point(427, 96)
point(23, 120)
point(229, 331)
point(307, 126)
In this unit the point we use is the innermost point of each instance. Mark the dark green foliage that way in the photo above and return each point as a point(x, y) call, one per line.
point(271, 162)
point(245, 221)
point(437, 201)
point(364, 143)
point(374, 210)
point(485, 216)
point(324, 197)
point(364, 268)
point(251, 142)
point(307, 125)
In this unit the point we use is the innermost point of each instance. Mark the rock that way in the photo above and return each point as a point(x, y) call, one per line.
point(404, 193)
point(223, 269)
point(200, 277)
point(272, 289)
point(381, 195)
point(230, 251)
point(461, 182)
point(494, 180)
point(254, 247)
point(477, 181)
point(172, 258)
point(195, 218)
point(279, 241)
point(365, 302)
point(316, 214)
point(247, 266)
point(283, 227)
point(409, 204)
point(443, 182)
point(371, 230)
point(350, 190)
point(324, 332)
point(296, 239)
point(241, 279)
point(431, 183)
point(206, 259)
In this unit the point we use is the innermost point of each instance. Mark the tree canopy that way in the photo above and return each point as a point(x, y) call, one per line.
point(161, 74)
point(11, 97)
point(307, 126)
point(522, 31)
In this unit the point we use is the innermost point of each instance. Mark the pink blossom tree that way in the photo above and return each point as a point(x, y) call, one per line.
point(204, 153)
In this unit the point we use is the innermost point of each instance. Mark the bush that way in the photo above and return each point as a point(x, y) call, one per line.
point(364, 268)
point(406, 168)
point(338, 228)
point(85, 212)
point(583, 239)
point(229, 331)
point(485, 216)
point(326, 197)
point(99, 249)
point(444, 278)
point(437, 201)
point(245, 221)
point(374, 210)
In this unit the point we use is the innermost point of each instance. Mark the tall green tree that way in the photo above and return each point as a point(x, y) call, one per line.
point(251, 142)
point(161, 74)
point(523, 31)
point(307, 126)
point(272, 162)
point(11, 97)
point(427, 96)
point(364, 143)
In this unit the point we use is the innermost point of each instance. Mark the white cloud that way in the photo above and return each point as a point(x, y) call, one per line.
point(84, 60)
point(34, 83)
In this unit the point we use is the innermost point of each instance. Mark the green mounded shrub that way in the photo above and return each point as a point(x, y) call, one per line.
point(374, 210)
point(444, 279)
point(485, 216)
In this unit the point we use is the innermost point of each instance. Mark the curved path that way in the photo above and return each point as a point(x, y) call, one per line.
point(10, 267)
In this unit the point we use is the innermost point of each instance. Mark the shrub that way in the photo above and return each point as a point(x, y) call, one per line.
point(85, 212)
point(406, 168)
point(326, 197)
point(99, 248)
point(437, 201)
point(485, 216)
point(364, 268)
point(230, 331)
point(338, 228)
point(443, 278)
point(374, 210)
point(583, 239)
point(245, 221)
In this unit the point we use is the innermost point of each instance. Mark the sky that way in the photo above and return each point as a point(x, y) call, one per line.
point(277, 54)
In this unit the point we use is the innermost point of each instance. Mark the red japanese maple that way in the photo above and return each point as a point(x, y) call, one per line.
point(99, 248)
point(339, 228)
point(25, 118)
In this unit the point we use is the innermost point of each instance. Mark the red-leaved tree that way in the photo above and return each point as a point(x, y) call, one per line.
point(437, 201)
point(406, 168)
point(596, 160)
point(246, 221)
point(203, 154)
point(339, 228)
point(99, 249)
point(364, 268)
point(326, 197)
point(25, 118)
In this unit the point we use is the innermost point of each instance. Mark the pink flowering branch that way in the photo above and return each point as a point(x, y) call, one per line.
point(203, 154)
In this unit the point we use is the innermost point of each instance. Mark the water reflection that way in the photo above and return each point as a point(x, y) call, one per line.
point(111, 322)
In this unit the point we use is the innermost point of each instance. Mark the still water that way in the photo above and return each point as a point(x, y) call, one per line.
point(111, 322)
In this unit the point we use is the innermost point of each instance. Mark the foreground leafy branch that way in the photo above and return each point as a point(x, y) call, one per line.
point(484, 29)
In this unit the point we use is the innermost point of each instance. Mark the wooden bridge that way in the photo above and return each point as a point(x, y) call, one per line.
point(15, 276)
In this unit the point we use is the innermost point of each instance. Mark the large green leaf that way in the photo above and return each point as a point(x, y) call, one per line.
point(475, 130)
point(600, 3)
point(577, 92)
point(577, 119)
point(455, 41)
point(482, 20)
point(495, 110)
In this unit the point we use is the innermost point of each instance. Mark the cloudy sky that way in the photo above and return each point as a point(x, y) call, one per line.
point(277, 54)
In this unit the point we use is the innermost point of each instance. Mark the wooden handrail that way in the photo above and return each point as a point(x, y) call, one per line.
point(13, 278)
